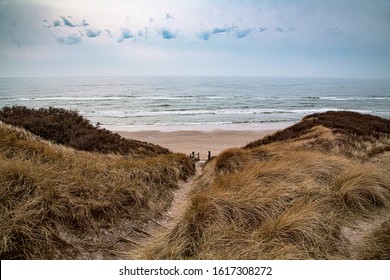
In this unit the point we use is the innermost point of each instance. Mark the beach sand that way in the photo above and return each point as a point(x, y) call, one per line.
point(200, 140)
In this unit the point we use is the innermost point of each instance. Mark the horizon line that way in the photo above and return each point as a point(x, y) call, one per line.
point(197, 75)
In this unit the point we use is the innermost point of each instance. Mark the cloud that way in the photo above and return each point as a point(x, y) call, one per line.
point(72, 39)
point(67, 21)
point(242, 33)
point(262, 29)
point(92, 33)
point(84, 23)
point(56, 23)
point(218, 30)
point(143, 33)
point(108, 33)
point(205, 35)
point(168, 16)
point(126, 34)
point(335, 31)
point(167, 34)
point(279, 29)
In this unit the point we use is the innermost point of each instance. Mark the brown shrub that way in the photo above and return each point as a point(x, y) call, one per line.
point(344, 122)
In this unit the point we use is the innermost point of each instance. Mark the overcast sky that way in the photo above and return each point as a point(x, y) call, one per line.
point(337, 38)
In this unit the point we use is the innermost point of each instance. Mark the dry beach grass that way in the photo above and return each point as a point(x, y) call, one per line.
point(58, 202)
point(293, 195)
point(317, 190)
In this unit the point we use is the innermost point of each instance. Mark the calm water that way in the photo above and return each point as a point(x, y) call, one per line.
point(117, 101)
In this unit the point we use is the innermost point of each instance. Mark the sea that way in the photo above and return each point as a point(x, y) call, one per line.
point(182, 101)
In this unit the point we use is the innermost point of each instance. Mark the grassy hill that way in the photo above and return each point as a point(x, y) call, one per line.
point(69, 128)
point(57, 202)
point(317, 190)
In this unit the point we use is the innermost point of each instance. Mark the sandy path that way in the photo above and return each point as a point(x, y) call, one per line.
point(355, 233)
point(180, 199)
point(126, 248)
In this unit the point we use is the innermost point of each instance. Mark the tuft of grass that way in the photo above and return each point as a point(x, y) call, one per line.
point(231, 160)
point(376, 245)
point(69, 128)
point(363, 188)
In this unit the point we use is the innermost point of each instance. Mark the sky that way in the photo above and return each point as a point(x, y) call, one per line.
point(324, 38)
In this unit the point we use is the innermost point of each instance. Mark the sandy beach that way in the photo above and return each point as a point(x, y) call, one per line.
point(200, 139)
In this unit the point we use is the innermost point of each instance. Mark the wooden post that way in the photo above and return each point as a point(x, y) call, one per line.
point(209, 155)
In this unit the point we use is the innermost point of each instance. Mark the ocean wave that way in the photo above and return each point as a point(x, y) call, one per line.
point(145, 125)
point(215, 97)
point(164, 98)
point(231, 112)
point(176, 98)
point(102, 85)
point(338, 98)
point(68, 98)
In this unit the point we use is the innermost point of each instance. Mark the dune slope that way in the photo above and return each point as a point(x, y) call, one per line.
point(317, 190)
point(62, 203)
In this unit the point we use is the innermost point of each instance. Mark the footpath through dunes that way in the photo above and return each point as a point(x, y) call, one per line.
point(317, 190)
point(181, 196)
point(57, 202)
point(169, 218)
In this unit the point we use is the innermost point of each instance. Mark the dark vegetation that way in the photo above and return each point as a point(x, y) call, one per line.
point(69, 128)
point(344, 122)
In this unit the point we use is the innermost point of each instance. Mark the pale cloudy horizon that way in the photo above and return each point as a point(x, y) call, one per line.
point(250, 38)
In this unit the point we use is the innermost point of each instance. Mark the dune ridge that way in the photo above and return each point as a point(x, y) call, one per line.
point(69, 128)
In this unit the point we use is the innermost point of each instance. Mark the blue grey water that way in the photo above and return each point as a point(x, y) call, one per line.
point(126, 101)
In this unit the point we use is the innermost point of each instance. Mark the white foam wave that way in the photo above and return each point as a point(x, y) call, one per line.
point(336, 98)
point(163, 98)
point(125, 114)
point(68, 98)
